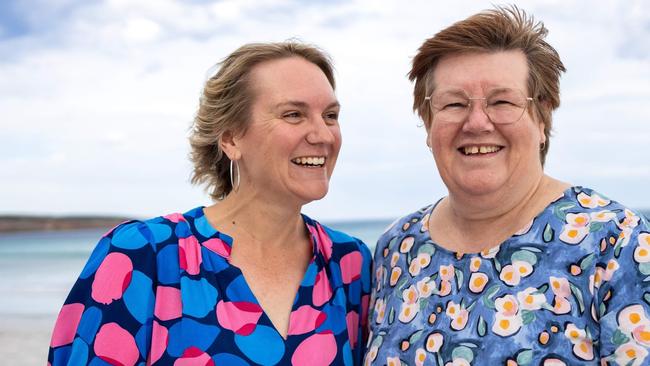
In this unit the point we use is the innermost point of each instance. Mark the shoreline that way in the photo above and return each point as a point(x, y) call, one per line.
point(21, 223)
point(25, 338)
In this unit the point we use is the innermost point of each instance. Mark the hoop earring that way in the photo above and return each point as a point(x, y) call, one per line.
point(542, 146)
point(234, 164)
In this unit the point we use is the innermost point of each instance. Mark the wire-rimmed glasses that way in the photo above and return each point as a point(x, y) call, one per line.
point(501, 105)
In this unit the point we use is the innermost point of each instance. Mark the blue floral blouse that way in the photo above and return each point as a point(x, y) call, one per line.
point(162, 292)
point(571, 288)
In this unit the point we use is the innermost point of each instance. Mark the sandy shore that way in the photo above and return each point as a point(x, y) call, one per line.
point(24, 339)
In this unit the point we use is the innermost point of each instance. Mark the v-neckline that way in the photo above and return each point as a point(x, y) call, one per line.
point(229, 240)
point(293, 304)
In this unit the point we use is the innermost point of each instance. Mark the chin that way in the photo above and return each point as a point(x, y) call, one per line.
point(309, 194)
point(478, 185)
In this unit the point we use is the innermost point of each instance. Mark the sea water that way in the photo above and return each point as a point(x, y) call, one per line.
point(37, 269)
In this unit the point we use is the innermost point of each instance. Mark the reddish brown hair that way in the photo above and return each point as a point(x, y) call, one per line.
point(499, 29)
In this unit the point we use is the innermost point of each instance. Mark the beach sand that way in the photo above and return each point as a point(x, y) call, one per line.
point(24, 339)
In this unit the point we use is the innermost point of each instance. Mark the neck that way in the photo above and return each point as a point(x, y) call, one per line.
point(264, 223)
point(478, 223)
point(507, 201)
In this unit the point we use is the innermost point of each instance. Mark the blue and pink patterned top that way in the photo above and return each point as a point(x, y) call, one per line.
point(162, 292)
point(570, 288)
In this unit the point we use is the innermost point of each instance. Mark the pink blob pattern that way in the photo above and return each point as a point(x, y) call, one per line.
point(190, 254)
point(323, 241)
point(175, 217)
point(194, 357)
point(159, 341)
point(205, 316)
point(365, 300)
point(305, 319)
point(218, 246)
point(116, 346)
point(351, 267)
point(322, 290)
point(317, 350)
point(240, 317)
point(168, 303)
point(352, 319)
point(66, 324)
point(112, 278)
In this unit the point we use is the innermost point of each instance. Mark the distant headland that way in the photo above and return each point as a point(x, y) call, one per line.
point(15, 223)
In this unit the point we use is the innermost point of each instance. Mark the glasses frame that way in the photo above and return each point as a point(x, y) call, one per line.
point(483, 106)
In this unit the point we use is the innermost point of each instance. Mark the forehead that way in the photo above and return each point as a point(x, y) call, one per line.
point(475, 72)
point(291, 78)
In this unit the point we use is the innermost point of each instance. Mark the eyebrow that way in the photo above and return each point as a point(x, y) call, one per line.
point(300, 104)
point(462, 92)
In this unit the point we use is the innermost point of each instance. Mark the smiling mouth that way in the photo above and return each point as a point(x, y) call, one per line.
point(479, 149)
point(309, 161)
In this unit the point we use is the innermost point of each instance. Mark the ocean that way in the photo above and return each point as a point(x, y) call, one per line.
point(37, 269)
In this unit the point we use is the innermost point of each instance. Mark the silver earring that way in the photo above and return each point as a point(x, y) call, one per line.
point(234, 164)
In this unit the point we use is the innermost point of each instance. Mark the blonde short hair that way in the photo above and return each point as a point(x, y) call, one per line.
point(225, 106)
point(499, 29)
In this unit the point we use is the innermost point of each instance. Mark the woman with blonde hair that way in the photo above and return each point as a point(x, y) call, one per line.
point(248, 280)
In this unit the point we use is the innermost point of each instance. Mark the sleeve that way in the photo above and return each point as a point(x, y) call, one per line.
point(622, 293)
point(108, 314)
point(366, 268)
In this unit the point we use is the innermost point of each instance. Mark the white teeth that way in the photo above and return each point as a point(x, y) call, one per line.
point(310, 161)
point(471, 150)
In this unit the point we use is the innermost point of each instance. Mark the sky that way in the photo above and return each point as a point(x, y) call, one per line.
point(96, 98)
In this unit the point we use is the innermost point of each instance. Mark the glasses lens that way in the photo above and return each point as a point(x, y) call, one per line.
point(505, 105)
point(450, 106)
point(502, 106)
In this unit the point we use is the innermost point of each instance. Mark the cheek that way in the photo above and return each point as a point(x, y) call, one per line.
point(338, 138)
point(438, 137)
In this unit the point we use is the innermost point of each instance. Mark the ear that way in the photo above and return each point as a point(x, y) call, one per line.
point(542, 136)
point(230, 146)
point(544, 104)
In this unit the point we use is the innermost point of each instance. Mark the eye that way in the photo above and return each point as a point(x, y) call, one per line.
point(502, 102)
point(293, 116)
point(450, 101)
point(454, 105)
point(331, 118)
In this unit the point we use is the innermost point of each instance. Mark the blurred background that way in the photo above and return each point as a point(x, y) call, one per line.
point(96, 98)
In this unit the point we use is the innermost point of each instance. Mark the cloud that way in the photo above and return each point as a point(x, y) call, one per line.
point(96, 97)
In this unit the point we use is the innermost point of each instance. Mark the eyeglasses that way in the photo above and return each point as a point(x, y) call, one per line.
point(502, 105)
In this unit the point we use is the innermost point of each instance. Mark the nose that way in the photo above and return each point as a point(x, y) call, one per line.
point(477, 119)
point(321, 132)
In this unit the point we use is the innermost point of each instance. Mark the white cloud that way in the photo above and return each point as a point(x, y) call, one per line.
point(97, 98)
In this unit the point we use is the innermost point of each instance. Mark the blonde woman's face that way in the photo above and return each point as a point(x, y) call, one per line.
point(291, 145)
